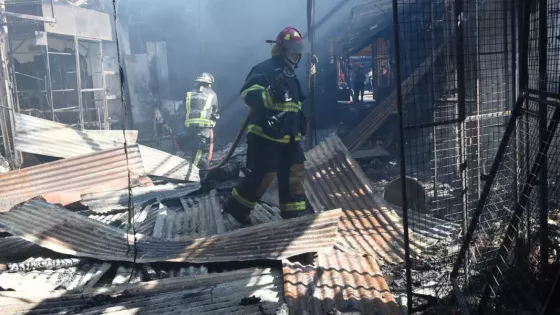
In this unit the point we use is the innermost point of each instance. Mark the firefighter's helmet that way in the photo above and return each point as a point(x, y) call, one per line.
point(292, 42)
point(205, 77)
point(291, 39)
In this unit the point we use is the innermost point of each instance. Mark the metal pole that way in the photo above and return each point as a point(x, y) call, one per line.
point(105, 103)
point(397, 71)
point(311, 128)
point(49, 83)
point(543, 113)
point(79, 82)
point(460, 66)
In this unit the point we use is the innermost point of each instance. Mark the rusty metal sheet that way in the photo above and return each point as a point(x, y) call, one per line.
point(84, 173)
point(45, 137)
point(335, 180)
point(118, 200)
point(219, 293)
point(81, 276)
point(69, 233)
point(349, 283)
point(163, 164)
point(375, 119)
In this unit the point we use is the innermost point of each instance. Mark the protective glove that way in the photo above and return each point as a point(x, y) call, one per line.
point(216, 116)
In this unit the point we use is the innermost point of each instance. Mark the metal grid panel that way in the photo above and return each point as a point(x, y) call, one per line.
point(454, 120)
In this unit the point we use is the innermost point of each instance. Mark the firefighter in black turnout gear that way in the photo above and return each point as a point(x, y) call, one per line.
point(276, 126)
point(201, 105)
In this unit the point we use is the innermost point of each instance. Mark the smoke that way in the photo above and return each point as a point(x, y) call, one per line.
point(225, 38)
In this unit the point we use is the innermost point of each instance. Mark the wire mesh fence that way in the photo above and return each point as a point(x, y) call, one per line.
point(454, 121)
point(481, 138)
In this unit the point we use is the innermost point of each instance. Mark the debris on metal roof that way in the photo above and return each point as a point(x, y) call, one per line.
point(160, 163)
point(88, 173)
point(201, 217)
point(45, 137)
point(348, 283)
point(333, 177)
point(118, 200)
point(246, 291)
point(40, 263)
point(69, 233)
point(79, 275)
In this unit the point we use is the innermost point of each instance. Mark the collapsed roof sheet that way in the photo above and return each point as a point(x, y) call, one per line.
point(87, 173)
point(69, 233)
point(163, 164)
point(334, 179)
point(118, 200)
point(218, 293)
point(338, 280)
point(45, 137)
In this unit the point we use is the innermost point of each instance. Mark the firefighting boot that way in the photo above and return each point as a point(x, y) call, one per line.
point(296, 214)
point(239, 212)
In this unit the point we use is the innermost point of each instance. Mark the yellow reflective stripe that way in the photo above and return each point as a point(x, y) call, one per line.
point(197, 157)
point(242, 200)
point(198, 121)
point(284, 107)
point(257, 130)
point(188, 103)
point(254, 87)
point(293, 206)
point(206, 106)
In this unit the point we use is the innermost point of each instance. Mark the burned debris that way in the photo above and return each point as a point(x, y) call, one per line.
point(129, 248)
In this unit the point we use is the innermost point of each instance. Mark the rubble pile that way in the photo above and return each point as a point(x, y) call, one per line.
point(106, 231)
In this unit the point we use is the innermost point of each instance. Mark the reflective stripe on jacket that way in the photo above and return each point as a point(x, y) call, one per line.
point(275, 121)
point(199, 109)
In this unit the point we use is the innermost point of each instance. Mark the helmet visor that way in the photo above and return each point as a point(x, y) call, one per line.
point(295, 46)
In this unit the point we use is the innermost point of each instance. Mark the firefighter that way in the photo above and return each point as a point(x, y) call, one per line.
point(201, 105)
point(274, 94)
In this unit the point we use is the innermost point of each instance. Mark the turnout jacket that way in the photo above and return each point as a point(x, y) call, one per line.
point(278, 119)
point(201, 107)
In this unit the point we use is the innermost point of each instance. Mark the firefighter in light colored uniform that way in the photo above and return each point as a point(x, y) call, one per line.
point(201, 105)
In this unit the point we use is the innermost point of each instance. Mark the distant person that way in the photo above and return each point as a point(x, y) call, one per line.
point(359, 84)
point(370, 79)
point(201, 105)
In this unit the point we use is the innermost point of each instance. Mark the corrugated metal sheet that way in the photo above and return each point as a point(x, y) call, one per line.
point(163, 164)
point(41, 136)
point(349, 283)
point(12, 247)
point(87, 173)
point(335, 180)
point(81, 277)
point(219, 294)
point(69, 233)
point(117, 200)
point(45, 137)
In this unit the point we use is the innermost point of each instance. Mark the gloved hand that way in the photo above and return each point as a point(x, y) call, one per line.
point(216, 116)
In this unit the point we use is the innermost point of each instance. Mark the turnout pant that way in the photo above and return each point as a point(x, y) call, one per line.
point(265, 160)
point(196, 145)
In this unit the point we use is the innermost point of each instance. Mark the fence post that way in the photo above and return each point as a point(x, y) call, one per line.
point(543, 118)
point(408, 263)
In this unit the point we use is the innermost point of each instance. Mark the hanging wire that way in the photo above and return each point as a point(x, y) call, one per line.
point(125, 107)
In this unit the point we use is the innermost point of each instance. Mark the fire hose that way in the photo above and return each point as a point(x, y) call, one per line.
point(233, 146)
